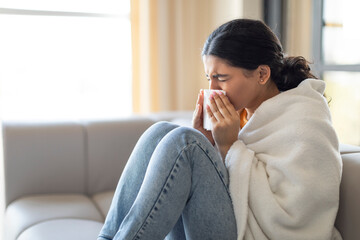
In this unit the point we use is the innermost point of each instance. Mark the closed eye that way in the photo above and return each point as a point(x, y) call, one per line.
point(219, 77)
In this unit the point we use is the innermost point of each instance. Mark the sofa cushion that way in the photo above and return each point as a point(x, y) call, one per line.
point(346, 148)
point(42, 158)
point(61, 229)
point(26, 212)
point(103, 201)
point(109, 145)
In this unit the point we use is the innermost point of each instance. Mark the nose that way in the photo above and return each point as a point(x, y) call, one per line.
point(214, 85)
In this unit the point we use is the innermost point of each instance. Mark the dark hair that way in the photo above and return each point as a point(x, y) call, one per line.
point(249, 43)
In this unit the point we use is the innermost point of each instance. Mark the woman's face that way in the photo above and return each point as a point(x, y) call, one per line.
point(241, 86)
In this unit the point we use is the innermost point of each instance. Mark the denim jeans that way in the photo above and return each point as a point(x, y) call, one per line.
point(174, 186)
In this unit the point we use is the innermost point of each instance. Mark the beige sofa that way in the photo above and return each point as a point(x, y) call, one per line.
point(60, 176)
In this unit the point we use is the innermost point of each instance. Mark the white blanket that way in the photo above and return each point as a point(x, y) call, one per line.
point(285, 169)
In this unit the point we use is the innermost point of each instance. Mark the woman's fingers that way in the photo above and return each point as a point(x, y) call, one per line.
point(214, 107)
point(227, 104)
point(221, 112)
point(197, 112)
point(200, 98)
point(221, 106)
point(197, 116)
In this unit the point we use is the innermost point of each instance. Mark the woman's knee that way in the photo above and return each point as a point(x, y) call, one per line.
point(156, 133)
point(162, 127)
point(187, 135)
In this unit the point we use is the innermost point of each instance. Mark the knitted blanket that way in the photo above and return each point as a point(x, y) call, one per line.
point(285, 168)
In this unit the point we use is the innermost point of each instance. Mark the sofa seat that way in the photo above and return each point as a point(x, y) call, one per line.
point(60, 229)
point(103, 201)
point(27, 212)
point(43, 215)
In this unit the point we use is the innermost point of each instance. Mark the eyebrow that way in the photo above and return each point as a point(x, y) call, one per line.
point(218, 75)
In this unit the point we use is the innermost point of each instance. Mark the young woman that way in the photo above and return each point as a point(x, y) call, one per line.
point(269, 169)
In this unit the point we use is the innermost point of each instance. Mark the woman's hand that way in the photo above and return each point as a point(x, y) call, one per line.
point(197, 121)
point(225, 122)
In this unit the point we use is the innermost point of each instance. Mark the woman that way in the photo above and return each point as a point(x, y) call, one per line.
point(269, 169)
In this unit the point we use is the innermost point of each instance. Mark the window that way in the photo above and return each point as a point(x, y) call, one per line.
point(337, 61)
point(65, 59)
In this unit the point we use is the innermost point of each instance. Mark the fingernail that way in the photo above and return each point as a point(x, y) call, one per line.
point(220, 92)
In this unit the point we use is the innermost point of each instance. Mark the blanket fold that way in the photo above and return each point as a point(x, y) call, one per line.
point(285, 169)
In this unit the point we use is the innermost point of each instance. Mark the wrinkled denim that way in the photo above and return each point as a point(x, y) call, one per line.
point(174, 186)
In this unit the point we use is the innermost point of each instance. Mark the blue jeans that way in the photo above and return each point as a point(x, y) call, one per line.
point(174, 186)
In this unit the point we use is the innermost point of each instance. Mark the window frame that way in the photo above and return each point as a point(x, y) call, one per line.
point(319, 66)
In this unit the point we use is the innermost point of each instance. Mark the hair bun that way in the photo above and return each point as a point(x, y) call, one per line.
point(294, 71)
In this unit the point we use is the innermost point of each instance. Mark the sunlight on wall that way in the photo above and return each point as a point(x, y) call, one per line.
point(343, 89)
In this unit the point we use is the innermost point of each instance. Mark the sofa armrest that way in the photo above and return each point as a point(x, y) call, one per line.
point(348, 218)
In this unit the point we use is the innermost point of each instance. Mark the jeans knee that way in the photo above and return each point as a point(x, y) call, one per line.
point(187, 135)
point(159, 130)
point(163, 126)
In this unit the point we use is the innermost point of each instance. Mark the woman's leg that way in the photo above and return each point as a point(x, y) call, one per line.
point(132, 177)
point(187, 180)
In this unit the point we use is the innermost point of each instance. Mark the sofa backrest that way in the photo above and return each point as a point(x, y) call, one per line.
point(43, 158)
point(108, 147)
point(67, 157)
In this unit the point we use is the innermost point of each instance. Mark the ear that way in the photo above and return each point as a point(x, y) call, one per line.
point(264, 74)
